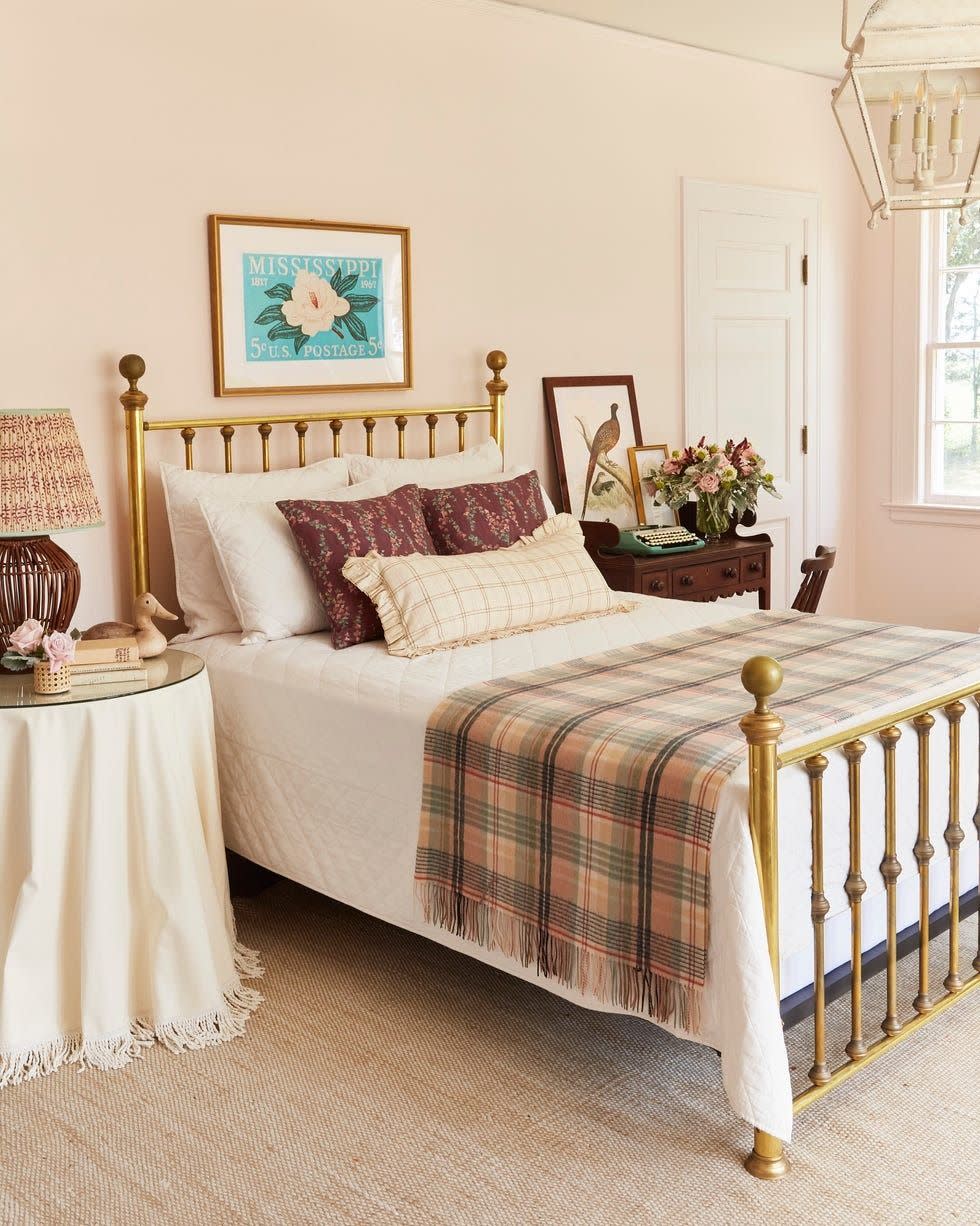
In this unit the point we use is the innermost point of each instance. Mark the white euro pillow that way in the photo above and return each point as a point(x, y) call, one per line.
point(200, 592)
point(430, 602)
point(485, 459)
point(267, 583)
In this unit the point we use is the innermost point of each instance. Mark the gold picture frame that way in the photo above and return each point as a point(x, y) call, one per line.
point(648, 512)
point(302, 307)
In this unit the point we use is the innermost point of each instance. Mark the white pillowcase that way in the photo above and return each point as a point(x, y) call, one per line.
point(267, 582)
point(486, 459)
point(427, 602)
point(200, 592)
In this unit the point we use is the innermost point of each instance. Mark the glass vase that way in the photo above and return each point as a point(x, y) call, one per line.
point(713, 519)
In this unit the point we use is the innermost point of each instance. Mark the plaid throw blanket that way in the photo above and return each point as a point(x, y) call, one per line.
point(567, 812)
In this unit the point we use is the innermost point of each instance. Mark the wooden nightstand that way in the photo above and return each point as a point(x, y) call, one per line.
point(736, 564)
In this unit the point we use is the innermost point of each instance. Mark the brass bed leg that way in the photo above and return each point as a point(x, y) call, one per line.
point(762, 677)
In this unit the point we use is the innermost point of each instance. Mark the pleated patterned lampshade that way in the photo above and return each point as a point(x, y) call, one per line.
point(45, 486)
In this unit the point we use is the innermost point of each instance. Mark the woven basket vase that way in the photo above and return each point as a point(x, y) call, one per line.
point(48, 682)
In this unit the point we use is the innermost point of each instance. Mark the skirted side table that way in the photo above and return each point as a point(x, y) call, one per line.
point(116, 928)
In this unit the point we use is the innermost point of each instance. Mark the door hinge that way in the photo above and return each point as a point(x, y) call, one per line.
point(806, 270)
point(805, 440)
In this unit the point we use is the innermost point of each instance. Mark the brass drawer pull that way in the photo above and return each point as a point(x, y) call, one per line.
point(730, 572)
point(657, 585)
point(755, 566)
point(686, 580)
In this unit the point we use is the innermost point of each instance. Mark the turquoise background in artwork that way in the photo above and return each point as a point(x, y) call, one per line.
point(261, 271)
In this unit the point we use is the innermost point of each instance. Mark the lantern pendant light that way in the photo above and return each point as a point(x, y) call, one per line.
point(915, 60)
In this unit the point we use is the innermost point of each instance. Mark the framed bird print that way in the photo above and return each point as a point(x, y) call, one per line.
point(594, 422)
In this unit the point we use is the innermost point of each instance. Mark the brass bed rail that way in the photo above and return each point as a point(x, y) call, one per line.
point(762, 727)
point(134, 401)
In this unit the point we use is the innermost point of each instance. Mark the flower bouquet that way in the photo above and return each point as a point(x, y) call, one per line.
point(725, 481)
point(50, 655)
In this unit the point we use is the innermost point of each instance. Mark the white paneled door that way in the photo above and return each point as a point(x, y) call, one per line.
point(750, 346)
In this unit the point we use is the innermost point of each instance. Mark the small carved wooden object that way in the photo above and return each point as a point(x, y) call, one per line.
point(150, 641)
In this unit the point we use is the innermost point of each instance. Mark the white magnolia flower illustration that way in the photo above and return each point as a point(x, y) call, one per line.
point(314, 304)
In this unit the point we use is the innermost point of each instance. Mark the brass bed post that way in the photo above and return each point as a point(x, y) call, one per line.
point(497, 386)
point(762, 676)
point(132, 368)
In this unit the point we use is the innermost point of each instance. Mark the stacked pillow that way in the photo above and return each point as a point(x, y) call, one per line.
point(432, 603)
point(329, 533)
point(200, 592)
point(266, 553)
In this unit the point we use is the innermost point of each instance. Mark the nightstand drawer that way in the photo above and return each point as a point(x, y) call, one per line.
point(655, 583)
point(755, 567)
point(686, 580)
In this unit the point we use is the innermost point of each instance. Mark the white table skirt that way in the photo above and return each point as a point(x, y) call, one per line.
point(116, 928)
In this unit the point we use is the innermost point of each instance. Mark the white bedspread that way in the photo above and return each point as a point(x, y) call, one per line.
point(320, 757)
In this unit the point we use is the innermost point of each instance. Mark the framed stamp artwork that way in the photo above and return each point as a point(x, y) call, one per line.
point(644, 462)
point(308, 306)
point(594, 422)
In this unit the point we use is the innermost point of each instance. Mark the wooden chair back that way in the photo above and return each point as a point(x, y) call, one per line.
point(815, 571)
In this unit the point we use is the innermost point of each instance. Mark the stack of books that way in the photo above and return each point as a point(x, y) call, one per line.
point(107, 662)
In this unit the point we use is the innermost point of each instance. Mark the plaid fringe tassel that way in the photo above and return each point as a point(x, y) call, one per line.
point(606, 979)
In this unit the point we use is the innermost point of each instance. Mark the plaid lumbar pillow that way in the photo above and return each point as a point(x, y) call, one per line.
point(429, 603)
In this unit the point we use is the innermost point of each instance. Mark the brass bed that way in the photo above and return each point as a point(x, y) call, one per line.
point(762, 727)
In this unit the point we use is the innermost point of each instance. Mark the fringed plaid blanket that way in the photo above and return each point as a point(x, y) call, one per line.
point(567, 812)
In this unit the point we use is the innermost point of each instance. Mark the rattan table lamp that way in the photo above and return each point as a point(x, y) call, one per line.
point(45, 486)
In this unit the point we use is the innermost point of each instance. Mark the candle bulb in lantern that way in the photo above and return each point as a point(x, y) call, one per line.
point(931, 110)
point(895, 130)
point(919, 129)
point(956, 119)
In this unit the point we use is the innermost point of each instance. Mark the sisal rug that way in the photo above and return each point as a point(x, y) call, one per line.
point(387, 1080)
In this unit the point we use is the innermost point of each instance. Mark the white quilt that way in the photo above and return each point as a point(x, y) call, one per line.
point(320, 756)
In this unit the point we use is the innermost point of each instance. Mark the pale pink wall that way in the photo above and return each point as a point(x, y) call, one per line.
point(924, 574)
point(537, 161)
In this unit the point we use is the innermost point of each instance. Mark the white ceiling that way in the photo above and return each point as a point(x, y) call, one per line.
point(801, 34)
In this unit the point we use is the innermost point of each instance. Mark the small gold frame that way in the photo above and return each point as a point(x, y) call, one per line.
point(215, 223)
point(641, 510)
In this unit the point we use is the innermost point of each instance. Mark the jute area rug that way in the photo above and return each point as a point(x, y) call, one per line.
point(388, 1080)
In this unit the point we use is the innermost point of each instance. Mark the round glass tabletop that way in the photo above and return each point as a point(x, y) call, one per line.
point(17, 689)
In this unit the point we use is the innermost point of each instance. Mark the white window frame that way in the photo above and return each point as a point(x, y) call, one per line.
point(931, 419)
point(913, 370)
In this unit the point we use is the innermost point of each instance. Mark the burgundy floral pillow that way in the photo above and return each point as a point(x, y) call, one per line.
point(485, 515)
point(328, 533)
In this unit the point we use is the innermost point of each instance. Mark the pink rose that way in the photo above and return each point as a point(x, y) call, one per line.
point(709, 483)
point(59, 648)
point(671, 468)
point(27, 637)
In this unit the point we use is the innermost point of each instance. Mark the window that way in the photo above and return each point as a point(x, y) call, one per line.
point(951, 417)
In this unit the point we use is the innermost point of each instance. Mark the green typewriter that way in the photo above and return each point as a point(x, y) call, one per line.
point(647, 542)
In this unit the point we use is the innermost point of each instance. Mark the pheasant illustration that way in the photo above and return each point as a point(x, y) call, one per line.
point(604, 440)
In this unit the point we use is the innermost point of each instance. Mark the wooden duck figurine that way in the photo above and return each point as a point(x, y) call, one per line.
point(150, 641)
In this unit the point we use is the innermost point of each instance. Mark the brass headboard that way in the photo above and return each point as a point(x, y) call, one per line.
point(132, 368)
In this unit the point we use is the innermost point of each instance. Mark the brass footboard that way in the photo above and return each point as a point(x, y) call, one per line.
point(762, 677)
